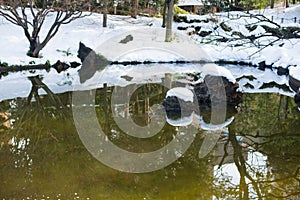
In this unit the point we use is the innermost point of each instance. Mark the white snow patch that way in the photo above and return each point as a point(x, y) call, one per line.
point(215, 70)
point(295, 72)
point(181, 93)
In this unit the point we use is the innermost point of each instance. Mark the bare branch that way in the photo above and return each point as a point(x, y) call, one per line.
point(19, 12)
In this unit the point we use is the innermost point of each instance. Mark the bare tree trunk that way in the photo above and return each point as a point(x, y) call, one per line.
point(15, 12)
point(272, 2)
point(164, 14)
point(287, 4)
point(105, 13)
point(134, 8)
point(169, 21)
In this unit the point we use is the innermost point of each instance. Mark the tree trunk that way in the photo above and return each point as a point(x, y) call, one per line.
point(164, 14)
point(34, 47)
point(272, 2)
point(169, 21)
point(134, 7)
point(105, 13)
point(287, 4)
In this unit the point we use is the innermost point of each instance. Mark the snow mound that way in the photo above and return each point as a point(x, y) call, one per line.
point(181, 93)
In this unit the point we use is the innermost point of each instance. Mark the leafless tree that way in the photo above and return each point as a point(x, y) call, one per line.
point(30, 15)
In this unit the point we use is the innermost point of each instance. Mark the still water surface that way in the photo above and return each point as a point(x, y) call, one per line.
point(42, 157)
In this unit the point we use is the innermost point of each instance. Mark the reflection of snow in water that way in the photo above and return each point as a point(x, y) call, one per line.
point(188, 120)
point(23, 159)
point(18, 85)
point(183, 121)
point(256, 165)
point(210, 126)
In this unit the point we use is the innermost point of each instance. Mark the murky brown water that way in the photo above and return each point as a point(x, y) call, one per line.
point(42, 156)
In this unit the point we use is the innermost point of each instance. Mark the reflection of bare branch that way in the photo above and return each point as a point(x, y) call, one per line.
point(36, 84)
point(241, 166)
point(256, 180)
point(225, 153)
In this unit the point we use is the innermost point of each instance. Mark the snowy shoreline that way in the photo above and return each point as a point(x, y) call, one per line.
point(89, 30)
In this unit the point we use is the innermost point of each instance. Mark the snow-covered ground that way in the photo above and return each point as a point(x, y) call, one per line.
point(89, 30)
point(282, 53)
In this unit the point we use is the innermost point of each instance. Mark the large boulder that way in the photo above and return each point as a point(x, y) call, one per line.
point(91, 62)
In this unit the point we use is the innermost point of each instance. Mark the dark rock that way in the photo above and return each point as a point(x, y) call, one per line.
point(147, 62)
point(262, 65)
point(177, 107)
point(249, 77)
point(127, 78)
point(202, 93)
point(248, 85)
point(60, 66)
point(204, 33)
point(83, 51)
point(282, 71)
point(223, 39)
point(211, 90)
point(197, 28)
point(225, 27)
point(91, 62)
point(74, 64)
point(182, 28)
point(127, 39)
point(273, 84)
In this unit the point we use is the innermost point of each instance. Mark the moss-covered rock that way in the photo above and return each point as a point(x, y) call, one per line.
point(225, 27)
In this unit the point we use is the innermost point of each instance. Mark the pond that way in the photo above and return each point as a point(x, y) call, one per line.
point(45, 155)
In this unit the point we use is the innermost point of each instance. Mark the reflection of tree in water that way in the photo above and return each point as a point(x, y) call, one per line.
point(54, 155)
point(32, 114)
point(37, 84)
point(28, 123)
point(268, 125)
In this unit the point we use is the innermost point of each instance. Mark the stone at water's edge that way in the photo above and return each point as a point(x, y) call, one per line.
point(83, 51)
point(282, 71)
point(91, 62)
point(175, 106)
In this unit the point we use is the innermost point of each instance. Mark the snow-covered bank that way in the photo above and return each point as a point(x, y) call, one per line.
point(230, 38)
point(89, 30)
point(251, 80)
